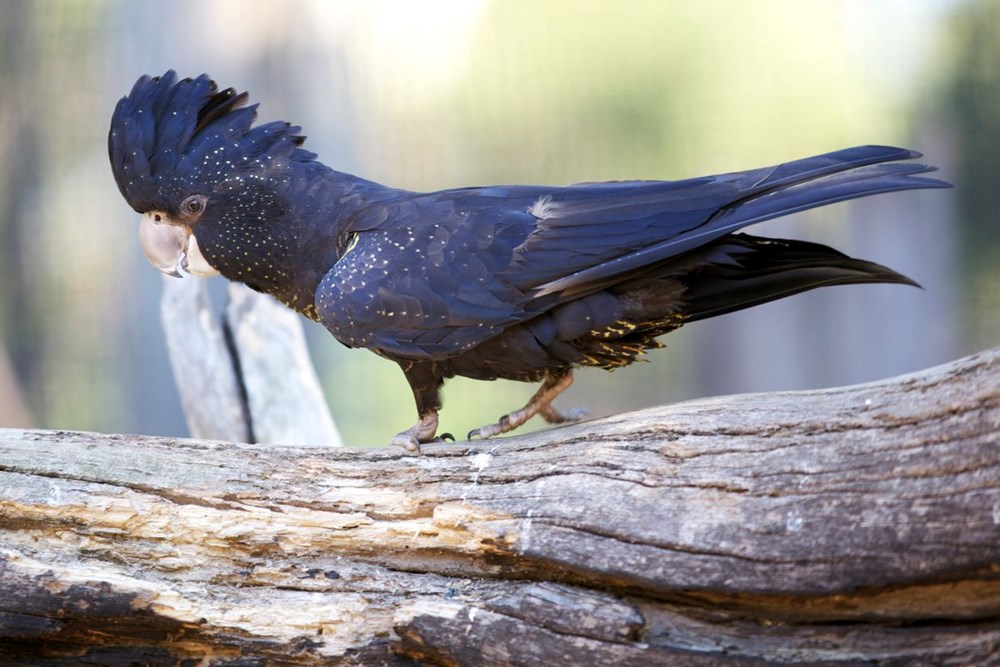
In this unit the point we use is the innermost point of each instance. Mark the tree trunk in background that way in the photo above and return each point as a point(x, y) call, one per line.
point(18, 148)
point(245, 375)
point(844, 526)
point(13, 411)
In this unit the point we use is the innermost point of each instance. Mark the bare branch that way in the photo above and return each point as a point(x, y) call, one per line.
point(246, 377)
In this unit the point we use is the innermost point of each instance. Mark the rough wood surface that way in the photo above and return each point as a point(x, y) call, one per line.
point(858, 525)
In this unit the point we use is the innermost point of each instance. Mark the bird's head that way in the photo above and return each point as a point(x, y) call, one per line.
point(187, 157)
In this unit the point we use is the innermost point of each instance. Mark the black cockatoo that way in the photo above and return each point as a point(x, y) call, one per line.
point(517, 282)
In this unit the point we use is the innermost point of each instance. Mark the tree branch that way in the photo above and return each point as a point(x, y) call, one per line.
point(247, 375)
point(849, 525)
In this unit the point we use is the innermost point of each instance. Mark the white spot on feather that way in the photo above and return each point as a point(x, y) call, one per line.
point(544, 208)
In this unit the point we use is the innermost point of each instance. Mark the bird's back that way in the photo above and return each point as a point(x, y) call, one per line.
point(435, 275)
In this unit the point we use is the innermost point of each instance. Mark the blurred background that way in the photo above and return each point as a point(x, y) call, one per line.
point(438, 94)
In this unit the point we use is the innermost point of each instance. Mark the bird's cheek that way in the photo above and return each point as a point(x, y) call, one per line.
point(194, 262)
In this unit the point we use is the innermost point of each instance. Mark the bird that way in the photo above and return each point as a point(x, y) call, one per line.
point(521, 282)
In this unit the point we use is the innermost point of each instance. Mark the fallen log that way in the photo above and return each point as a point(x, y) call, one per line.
point(840, 526)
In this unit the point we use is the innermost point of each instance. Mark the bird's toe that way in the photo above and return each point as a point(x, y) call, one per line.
point(489, 430)
point(421, 432)
point(576, 414)
point(407, 441)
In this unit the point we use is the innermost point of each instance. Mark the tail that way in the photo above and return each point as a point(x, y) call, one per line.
point(740, 271)
point(727, 202)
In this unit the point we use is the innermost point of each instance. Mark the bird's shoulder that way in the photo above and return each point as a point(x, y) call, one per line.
point(419, 273)
point(434, 274)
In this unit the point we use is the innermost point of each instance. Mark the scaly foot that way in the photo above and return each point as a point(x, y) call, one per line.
point(554, 415)
point(540, 404)
point(421, 432)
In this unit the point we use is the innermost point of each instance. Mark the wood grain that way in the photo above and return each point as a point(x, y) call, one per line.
point(857, 525)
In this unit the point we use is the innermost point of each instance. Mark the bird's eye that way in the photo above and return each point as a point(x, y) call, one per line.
point(193, 205)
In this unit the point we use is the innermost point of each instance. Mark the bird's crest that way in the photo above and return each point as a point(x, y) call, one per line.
point(169, 136)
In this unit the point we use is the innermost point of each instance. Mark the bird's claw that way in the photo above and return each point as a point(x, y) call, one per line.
point(489, 430)
point(421, 432)
point(407, 441)
point(411, 444)
point(511, 421)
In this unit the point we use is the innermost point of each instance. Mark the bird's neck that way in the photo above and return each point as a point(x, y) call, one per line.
point(286, 240)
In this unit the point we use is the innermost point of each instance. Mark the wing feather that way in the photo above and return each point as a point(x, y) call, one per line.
point(433, 275)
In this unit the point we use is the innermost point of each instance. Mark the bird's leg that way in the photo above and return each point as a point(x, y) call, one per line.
point(540, 404)
point(426, 385)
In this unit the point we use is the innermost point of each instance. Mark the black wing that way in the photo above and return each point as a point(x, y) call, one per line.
point(437, 274)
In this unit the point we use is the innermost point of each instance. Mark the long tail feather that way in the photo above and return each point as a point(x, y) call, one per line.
point(746, 271)
point(756, 196)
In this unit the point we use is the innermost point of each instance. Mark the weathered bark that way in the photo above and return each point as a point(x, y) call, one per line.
point(842, 526)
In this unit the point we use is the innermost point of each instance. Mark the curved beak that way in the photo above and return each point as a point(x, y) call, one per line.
point(171, 247)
